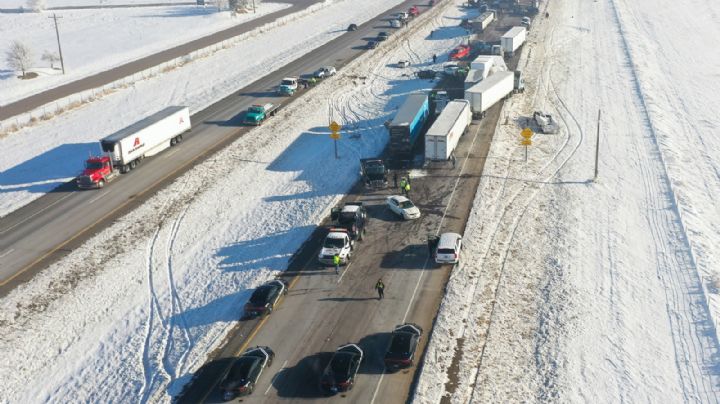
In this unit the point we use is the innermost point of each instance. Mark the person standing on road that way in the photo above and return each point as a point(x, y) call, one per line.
point(336, 262)
point(403, 182)
point(407, 189)
point(380, 286)
point(452, 158)
point(434, 58)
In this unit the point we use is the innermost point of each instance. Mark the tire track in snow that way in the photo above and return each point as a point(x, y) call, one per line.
point(677, 269)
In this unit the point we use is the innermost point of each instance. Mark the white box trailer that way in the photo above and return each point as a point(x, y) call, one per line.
point(482, 22)
point(489, 91)
point(147, 137)
point(488, 64)
point(443, 136)
point(513, 39)
point(473, 77)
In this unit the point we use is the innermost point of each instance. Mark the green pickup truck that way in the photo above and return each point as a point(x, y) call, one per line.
point(256, 114)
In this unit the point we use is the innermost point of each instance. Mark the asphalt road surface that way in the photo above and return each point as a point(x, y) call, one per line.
point(51, 226)
point(323, 310)
point(98, 80)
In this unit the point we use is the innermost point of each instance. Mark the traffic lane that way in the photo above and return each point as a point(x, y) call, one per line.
point(325, 314)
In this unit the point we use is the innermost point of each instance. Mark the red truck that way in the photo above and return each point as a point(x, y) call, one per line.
point(461, 51)
point(414, 11)
point(127, 147)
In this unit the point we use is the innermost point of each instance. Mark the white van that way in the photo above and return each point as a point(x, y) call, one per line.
point(448, 248)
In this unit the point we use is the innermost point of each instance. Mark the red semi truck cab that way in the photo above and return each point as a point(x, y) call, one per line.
point(414, 11)
point(98, 171)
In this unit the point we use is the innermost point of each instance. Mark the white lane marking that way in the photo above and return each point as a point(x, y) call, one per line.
point(275, 377)
point(342, 272)
point(170, 153)
point(34, 214)
point(7, 252)
point(422, 272)
point(98, 197)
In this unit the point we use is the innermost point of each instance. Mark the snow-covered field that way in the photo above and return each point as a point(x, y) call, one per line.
point(135, 321)
point(95, 40)
point(580, 291)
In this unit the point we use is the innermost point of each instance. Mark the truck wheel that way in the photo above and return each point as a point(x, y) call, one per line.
point(101, 183)
point(124, 169)
point(173, 142)
point(178, 139)
point(132, 165)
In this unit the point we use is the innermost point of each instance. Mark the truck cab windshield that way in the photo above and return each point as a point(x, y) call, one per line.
point(93, 165)
point(287, 82)
point(347, 218)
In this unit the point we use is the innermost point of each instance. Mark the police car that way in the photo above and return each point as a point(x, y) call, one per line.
point(337, 241)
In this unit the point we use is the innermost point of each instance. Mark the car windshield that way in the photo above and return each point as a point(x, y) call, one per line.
point(334, 243)
point(400, 344)
point(340, 365)
point(347, 217)
point(93, 165)
point(241, 368)
point(406, 205)
point(256, 109)
point(287, 82)
point(260, 295)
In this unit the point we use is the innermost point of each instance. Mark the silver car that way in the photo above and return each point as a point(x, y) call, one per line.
point(448, 248)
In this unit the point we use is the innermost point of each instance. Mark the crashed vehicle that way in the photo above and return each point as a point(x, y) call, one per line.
point(546, 122)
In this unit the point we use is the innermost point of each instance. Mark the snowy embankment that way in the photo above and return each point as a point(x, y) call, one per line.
point(135, 311)
point(578, 291)
point(96, 40)
point(39, 158)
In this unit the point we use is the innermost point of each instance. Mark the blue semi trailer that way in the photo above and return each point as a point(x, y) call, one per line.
point(407, 125)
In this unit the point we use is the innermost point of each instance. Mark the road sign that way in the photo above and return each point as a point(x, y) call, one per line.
point(526, 142)
point(335, 127)
point(527, 133)
point(335, 135)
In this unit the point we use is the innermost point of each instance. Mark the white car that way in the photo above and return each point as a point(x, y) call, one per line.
point(325, 71)
point(403, 207)
point(448, 248)
point(403, 64)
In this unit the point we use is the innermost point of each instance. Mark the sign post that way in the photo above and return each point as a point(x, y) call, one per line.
point(335, 135)
point(527, 134)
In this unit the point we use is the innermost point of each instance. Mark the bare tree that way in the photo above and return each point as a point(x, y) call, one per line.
point(19, 57)
point(51, 57)
point(37, 5)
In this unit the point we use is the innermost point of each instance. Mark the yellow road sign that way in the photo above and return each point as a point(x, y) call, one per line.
point(335, 135)
point(526, 133)
point(526, 142)
point(334, 126)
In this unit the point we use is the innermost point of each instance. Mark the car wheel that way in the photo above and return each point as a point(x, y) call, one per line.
point(251, 388)
point(269, 310)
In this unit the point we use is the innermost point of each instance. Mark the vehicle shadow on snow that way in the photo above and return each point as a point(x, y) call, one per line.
point(48, 172)
point(226, 308)
point(273, 251)
point(303, 379)
point(194, 392)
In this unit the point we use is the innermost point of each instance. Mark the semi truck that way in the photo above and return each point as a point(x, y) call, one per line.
point(486, 93)
point(512, 40)
point(407, 125)
point(443, 136)
point(374, 173)
point(483, 66)
point(127, 147)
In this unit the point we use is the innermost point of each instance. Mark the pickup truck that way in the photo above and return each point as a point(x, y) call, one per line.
point(256, 114)
point(325, 71)
point(337, 242)
point(288, 86)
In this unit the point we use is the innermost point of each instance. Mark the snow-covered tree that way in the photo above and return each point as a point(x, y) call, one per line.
point(19, 57)
point(37, 5)
point(51, 57)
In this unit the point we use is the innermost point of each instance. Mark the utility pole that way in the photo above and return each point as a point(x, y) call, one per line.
point(57, 34)
point(254, 10)
point(597, 147)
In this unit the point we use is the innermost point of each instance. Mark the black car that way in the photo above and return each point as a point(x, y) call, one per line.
point(339, 374)
point(371, 45)
point(403, 344)
point(352, 27)
point(245, 371)
point(382, 36)
point(265, 297)
point(352, 217)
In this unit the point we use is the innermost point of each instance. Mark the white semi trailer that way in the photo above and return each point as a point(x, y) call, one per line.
point(486, 93)
point(443, 136)
point(146, 137)
point(512, 40)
